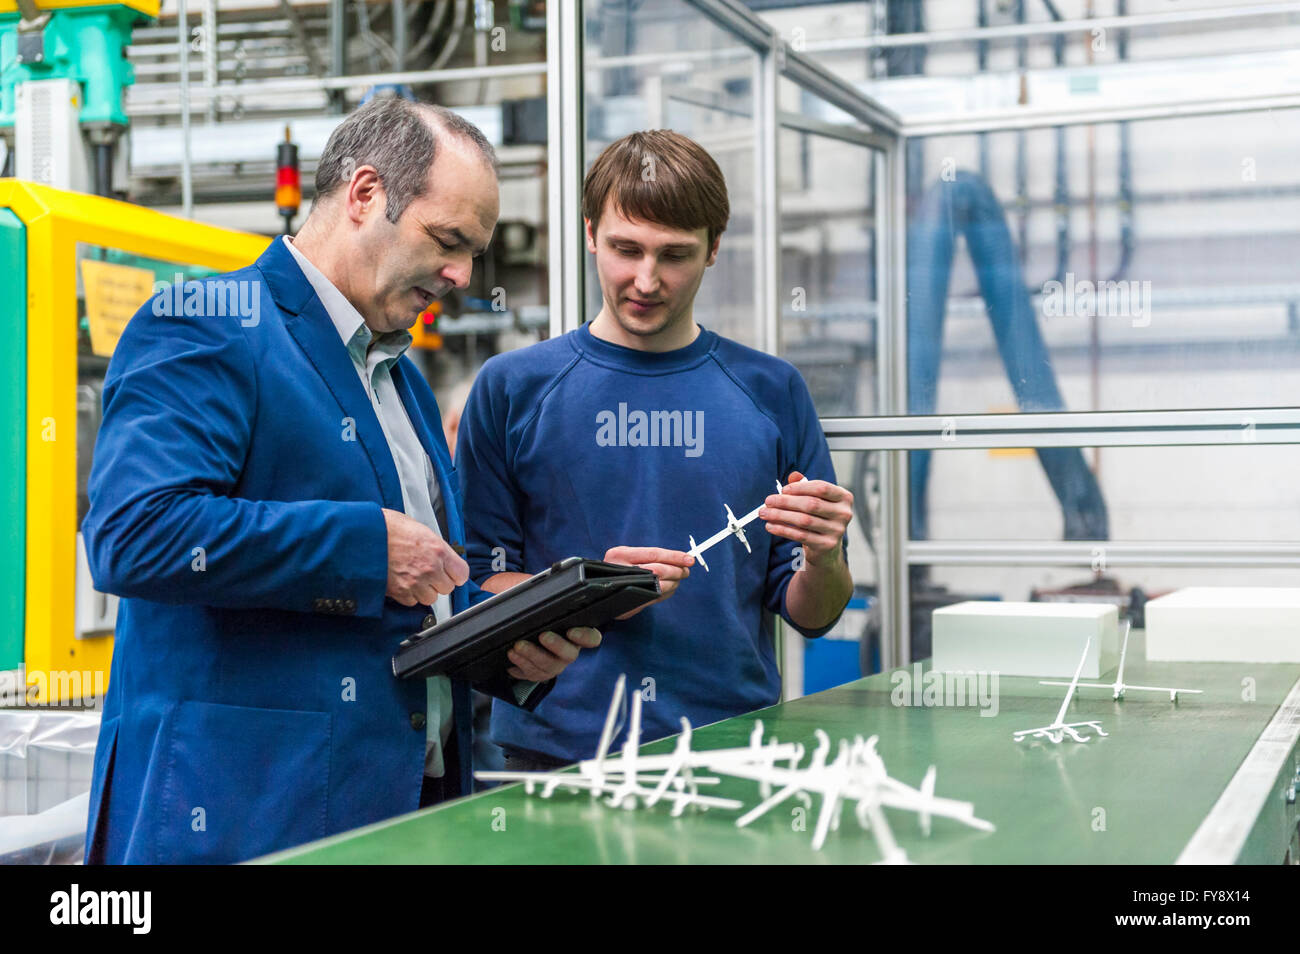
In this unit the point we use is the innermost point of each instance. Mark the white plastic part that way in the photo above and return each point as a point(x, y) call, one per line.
point(1059, 729)
point(856, 775)
point(1119, 686)
point(734, 527)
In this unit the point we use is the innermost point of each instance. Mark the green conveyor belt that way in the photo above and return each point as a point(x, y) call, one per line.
point(1155, 776)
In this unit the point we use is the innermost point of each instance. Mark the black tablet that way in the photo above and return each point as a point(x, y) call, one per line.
point(472, 645)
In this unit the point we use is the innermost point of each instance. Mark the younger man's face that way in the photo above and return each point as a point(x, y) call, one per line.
point(649, 273)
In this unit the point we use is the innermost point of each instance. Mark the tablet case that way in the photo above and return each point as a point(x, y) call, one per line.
point(473, 644)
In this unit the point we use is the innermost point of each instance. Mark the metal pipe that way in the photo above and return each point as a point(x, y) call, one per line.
point(855, 135)
point(363, 30)
point(300, 32)
point(737, 20)
point(398, 9)
point(767, 219)
point(1086, 552)
point(891, 332)
point(1031, 119)
point(1022, 168)
point(338, 52)
point(453, 37)
point(210, 77)
point(187, 173)
point(565, 294)
point(835, 90)
point(141, 36)
point(364, 81)
point(982, 66)
point(1275, 425)
point(661, 57)
point(1012, 31)
point(1125, 172)
point(430, 27)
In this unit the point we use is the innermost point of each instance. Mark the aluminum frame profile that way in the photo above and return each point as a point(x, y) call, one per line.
point(767, 198)
point(852, 135)
point(1277, 425)
point(1087, 553)
point(565, 140)
point(891, 372)
point(1034, 119)
point(1052, 28)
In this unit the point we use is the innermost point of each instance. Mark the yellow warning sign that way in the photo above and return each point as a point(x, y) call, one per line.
point(113, 294)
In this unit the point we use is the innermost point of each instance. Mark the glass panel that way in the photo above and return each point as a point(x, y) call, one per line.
point(828, 269)
point(1217, 493)
point(1213, 494)
point(836, 657)
point(111, 286)
point(1135, 266)
point(1127, 587)
point(666, 66)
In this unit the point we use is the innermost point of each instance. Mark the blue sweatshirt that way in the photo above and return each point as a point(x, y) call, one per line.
point(575, 445)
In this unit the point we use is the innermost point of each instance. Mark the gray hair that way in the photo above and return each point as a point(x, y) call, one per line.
point(400, 139)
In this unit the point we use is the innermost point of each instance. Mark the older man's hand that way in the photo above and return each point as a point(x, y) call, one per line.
point(421, 564)
point(542, 663)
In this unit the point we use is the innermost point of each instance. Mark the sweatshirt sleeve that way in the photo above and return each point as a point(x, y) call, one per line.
point(804, 445)
point(494, 536)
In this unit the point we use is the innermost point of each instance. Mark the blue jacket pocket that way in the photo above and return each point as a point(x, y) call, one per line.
point(242, 782)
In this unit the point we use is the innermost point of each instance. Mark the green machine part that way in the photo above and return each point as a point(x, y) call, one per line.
point(13, 456)
point(86, 44)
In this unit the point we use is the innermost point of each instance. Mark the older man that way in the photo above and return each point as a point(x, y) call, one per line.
point(273, 496)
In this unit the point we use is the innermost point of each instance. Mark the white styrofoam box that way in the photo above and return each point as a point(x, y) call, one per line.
point(1259, 624)
point(1026, 639)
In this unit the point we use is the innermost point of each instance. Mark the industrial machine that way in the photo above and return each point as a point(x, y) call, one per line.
point(63, 73)
point(77, 268)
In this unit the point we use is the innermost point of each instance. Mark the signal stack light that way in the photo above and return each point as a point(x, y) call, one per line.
point(288, 181)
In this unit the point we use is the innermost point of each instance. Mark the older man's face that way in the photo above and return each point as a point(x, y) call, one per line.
point(431, 248)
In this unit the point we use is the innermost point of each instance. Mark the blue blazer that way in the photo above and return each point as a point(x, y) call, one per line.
point(235, 503)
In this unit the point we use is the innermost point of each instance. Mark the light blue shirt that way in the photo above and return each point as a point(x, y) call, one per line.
point(373, 356)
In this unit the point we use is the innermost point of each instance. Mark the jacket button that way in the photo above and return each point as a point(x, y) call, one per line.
point(350, 606)
point(429, 622)
point(417, 720)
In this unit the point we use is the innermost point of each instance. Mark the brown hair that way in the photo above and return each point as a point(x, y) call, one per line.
point(658, 176)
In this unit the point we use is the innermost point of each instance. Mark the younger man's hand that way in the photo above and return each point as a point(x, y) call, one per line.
point(670, 566)
point(813, 513)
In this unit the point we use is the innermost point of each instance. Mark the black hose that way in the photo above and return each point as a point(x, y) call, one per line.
point(104, 169)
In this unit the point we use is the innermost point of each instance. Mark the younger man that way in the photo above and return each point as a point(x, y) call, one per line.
point(628, 435)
